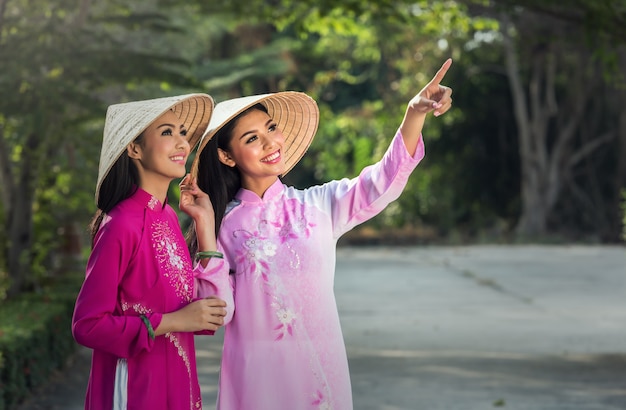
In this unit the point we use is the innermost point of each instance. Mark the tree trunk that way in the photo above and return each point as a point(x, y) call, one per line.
point(531, 132)
point(20, 241)
point(19, 218)
point(546, 130)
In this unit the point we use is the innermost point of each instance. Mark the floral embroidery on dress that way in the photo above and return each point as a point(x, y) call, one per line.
point(173, 338)
point(292, 223)
point(254, 254)
point(321, 402)
point(152, 203)
point(173, 260)
point(286, 318)
point(136, 307)
point(141, 309)
point(259, 247)
point(269, 248)
point(257, 254)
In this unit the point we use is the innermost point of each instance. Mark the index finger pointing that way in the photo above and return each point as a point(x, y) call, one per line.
point(442, 71)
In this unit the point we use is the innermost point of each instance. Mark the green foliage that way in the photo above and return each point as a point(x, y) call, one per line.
point(404, 59)
point(35, 338)
point(471, 171)
point(351, 137)
point(363, 66)
point(362, 61)
point(264, 62)
point(61, 67)
point(288, 14)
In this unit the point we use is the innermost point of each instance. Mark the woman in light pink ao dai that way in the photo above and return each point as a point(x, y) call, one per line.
point(283, 348)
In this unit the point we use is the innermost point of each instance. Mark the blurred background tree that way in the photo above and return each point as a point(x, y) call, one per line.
point(61, 66)
point(534, 148)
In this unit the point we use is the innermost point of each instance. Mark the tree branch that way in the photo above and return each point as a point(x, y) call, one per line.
point(591, 146)
point(568, 130)
point(550, 96)
point(596, 217)
point(517, 90)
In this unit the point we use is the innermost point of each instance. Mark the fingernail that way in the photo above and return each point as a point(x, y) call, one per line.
point(436, 113)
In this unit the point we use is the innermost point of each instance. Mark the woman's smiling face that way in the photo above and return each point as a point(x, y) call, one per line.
point(162, 153)
point(256, 150)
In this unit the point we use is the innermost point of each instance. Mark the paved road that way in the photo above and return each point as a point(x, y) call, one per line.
point(461, 328)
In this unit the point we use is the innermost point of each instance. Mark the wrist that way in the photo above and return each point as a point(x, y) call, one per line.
point(201, 219)
point(167, 323)
point(208, 255)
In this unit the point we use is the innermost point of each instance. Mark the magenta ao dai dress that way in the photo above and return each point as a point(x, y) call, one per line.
point(284, 349)
point(139, 264)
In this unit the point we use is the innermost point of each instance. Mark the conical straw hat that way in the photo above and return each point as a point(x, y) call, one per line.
point(296, 115)
point(125, 122)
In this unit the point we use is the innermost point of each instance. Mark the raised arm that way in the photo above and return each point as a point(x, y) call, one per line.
point(197, 204)
point(211, 273)
point(433, 97)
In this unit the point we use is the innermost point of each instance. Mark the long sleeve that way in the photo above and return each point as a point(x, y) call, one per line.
point(281, 248)
point(97, 321)
point(139, 265)
point(354, 201)
point(215, 280)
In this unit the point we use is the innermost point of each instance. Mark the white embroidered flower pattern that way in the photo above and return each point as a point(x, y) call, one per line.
point(175, 340)
point(252, 243)
point(152, 203)
point(176, 267)
point(269, 249)
point(257, 255)
point(251, 255)
point(175, 259)
point(286, 316)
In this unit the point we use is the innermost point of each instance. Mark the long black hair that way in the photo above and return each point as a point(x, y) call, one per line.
point(220, 181)
point(120, 183)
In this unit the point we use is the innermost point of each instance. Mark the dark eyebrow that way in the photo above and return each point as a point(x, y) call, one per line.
point(182, 126)
point(269, 121)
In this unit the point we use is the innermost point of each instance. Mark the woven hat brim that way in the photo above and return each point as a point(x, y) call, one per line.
point(126, 121)
point(296, 115)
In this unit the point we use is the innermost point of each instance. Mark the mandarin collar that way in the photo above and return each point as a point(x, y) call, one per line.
point(147, 200)
point(272, 192)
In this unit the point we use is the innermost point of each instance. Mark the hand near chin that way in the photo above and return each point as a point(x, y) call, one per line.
point(193, 201)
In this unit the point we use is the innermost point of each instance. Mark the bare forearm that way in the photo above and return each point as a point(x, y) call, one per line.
point(168, 324)
point(203, 314)
point(411, 129)
point(433, 98)
point(205, 233)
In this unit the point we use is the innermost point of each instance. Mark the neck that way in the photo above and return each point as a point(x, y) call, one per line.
point(258, 186)
point(159, 191)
